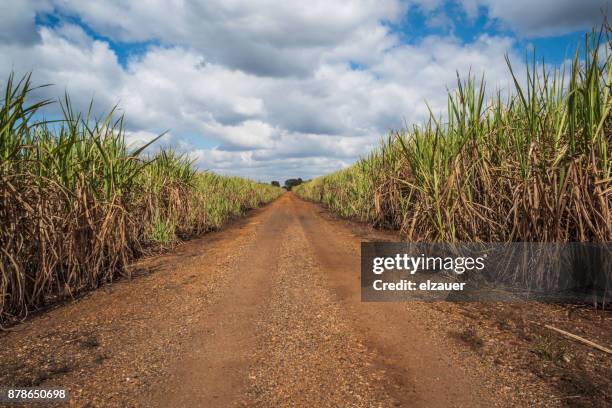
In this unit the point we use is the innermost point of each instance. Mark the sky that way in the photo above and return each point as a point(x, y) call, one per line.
point(272, 90)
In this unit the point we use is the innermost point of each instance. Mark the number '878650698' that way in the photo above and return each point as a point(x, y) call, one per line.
point(33, 394)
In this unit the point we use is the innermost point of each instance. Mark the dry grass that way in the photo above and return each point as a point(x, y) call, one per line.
point(534, 166)
point(76, 204)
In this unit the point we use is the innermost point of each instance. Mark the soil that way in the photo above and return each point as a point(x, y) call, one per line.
point(267, 312)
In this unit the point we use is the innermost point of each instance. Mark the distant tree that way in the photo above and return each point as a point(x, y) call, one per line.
point(290, 183)
point(275, 183)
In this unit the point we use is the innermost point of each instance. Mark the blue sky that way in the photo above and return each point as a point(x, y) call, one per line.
point(553, 48)
point(275, 90)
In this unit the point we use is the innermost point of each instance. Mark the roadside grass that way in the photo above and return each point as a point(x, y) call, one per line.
point(550, 348)
point(532, 166)
point(77, 204)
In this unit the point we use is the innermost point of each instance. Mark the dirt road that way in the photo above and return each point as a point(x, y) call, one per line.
point(264, 313)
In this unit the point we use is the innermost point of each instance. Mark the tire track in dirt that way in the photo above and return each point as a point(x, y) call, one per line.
point(213, 373)
point(420, 371)
point(307, 353)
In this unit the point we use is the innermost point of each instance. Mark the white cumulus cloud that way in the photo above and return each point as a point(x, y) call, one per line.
point(259, 88)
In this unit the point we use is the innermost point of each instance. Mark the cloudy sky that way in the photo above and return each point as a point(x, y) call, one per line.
point(276, 89)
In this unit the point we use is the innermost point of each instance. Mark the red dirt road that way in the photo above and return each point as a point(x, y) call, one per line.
point(264, 313)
